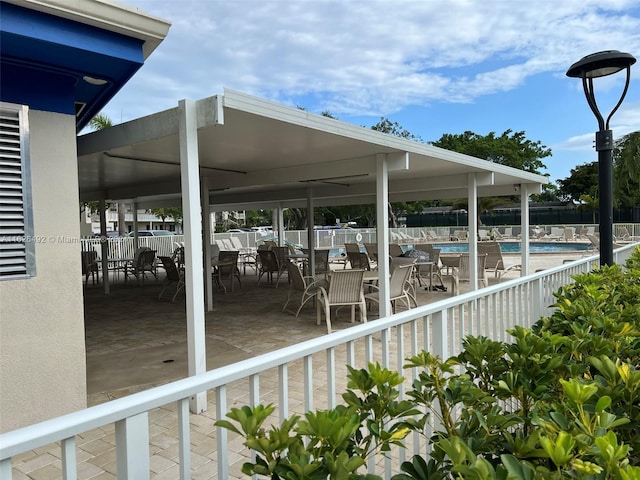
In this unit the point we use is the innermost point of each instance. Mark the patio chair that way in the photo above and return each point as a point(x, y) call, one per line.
point(406, 238)
point(229, 270)
point(283, 256)
point(434, 271)
point(459, 236)
point(400, 262)
point(307, 287)
point(174, 281)
point(399, 287)
point(464, 273)
point(569, 234)
point(557, 233)
point(433, 236)
point(372, 251)
point(144, 262)
point(495, 261)
point(178, 256)
point(623, 235)
point(395, 250)
point(345, 289)
point(321, 257)
point(357, 259)
point(483, 235)
point(269, 265)
point(496, 234)
point(595, 241)
point(90, 266)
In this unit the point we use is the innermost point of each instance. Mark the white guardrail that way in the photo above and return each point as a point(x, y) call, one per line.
point(318, 363)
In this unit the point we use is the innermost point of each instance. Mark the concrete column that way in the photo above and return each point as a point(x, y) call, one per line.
point(311, 239)
point(206, 234)
point(104, 246)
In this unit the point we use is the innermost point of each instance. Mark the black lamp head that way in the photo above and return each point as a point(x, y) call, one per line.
point(601, 64)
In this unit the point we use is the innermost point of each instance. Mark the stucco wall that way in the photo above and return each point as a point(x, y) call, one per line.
point(42, 348)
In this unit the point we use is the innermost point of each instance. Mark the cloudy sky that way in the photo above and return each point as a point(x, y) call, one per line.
point(433, 66)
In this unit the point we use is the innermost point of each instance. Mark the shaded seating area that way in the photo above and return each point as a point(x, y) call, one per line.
point(495, 261)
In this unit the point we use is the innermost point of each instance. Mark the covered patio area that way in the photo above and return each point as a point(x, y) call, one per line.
point(131, 327)
point(235, 151)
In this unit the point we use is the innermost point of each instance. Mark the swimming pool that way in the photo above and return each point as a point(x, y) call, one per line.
point(507, 247)
point(514, 247)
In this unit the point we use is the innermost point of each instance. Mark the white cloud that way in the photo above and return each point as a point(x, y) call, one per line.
point(373, 57)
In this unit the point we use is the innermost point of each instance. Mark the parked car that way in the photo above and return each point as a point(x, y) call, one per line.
point(151, 233)
point(263, 231)
point(239, 230)
point(110, 234)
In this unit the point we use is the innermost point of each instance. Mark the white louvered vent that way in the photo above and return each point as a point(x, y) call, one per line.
point(16, 228)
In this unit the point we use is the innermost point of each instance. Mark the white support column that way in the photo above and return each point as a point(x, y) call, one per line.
point(192, 214)
point(311, 239)
point(280, 216)
point(104, 246)
point(473, 231)
point(135, 220)
point(524, 228)
point(382, 232)
point(206, 234)
point(132, 447)
point(136, 240)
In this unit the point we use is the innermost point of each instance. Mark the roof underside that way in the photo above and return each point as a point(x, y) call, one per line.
point(257, 153)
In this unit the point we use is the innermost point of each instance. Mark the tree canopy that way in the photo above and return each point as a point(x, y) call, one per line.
point(626, 170)
point(511, 149)
point(394, 128)
point(583, 180)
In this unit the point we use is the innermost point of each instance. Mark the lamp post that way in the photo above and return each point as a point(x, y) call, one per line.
point(593, 66)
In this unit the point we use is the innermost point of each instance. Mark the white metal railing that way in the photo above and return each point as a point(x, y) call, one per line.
point(124, 247)
point(318, 363)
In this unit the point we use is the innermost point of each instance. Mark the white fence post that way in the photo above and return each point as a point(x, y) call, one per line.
point(132, 447)
point(440, 334)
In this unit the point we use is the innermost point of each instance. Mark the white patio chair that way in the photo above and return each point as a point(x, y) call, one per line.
point(175, 278)
point(345, 289)
point(399, 287)
point(495, 261)
point(307, 287)
point(357, 259)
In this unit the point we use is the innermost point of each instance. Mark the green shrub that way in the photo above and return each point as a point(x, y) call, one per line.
point(561, 401)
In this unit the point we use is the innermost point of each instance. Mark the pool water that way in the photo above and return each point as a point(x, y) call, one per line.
point(514, 247)
point(507, 247)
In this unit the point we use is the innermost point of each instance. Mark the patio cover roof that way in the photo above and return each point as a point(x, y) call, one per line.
point(257, 153)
